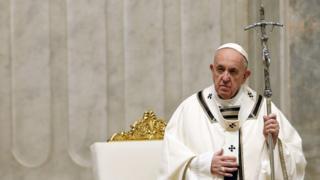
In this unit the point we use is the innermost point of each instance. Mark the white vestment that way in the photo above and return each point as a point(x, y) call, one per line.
point(193, 135)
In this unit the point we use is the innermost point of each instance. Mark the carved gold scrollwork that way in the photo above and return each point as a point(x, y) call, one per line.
point(150, 127)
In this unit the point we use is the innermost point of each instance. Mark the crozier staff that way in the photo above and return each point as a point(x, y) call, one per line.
point(220, 132)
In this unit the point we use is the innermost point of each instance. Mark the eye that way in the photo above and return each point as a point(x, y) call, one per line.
point(220, 69)
point(233, 71)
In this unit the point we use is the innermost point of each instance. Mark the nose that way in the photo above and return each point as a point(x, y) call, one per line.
point(226, 76)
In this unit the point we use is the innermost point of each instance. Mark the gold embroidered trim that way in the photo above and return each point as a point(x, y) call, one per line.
point(282, 161)
point(186, 168)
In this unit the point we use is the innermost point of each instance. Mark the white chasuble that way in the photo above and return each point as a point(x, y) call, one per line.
point(203, 125)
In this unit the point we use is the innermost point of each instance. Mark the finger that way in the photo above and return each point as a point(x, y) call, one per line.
point(229, 164)
point(223, 172)
point(273, 132)
point(219, 153)
point(226, 174)
point(270, 121)
point(229, 158)
point(226, 169)
point(271, 126)
point(270, 116)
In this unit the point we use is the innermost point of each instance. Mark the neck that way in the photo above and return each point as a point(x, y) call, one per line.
point(234, 100)
point(229, 98)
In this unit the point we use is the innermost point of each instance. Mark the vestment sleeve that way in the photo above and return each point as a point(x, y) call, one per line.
point(176, 156)
point(200, 167)
point(179, 162)
point(290, 149)
point(201, 164)
point(288, 155)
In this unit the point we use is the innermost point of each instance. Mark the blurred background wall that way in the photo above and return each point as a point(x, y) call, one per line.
point(73, 72)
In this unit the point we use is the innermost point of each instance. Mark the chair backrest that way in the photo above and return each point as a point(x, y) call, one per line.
point(132, 155)
point(135, 160)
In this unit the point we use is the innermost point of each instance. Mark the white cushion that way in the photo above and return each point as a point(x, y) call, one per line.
point(132, 160)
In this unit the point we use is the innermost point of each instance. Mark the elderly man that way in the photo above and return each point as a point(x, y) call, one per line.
point(220, 132)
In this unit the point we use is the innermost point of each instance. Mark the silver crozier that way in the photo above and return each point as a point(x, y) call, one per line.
point(267, 88)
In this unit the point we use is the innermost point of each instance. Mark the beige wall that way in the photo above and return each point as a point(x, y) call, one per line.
point(304, 28)
point(74, 72)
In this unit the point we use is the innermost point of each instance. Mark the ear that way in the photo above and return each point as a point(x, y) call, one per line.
point(211, 67)
point(246, 75)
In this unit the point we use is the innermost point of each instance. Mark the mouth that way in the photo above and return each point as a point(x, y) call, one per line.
point(224, 88)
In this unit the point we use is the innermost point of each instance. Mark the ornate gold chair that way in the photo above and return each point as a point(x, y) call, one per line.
point(132, 155)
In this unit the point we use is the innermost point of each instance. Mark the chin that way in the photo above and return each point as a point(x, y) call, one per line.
point(224, 96)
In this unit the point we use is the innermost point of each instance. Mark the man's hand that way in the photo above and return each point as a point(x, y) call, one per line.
point(271, 125)
point(223, 165)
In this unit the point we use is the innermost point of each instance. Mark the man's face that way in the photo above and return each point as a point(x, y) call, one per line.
point(229, 72)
